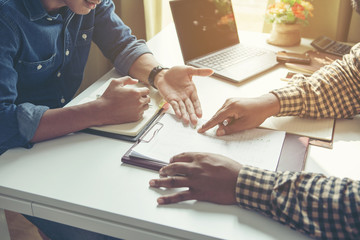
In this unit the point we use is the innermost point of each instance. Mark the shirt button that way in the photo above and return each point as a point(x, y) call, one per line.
point(84, 36)
point(67, 52)
point(49, 19)
point(62, 100)
point(39, 67)
point(58, 74)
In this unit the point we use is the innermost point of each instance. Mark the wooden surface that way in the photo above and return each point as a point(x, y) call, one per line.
point(20, 228)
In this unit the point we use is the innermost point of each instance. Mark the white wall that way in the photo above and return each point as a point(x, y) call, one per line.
point(354, 31)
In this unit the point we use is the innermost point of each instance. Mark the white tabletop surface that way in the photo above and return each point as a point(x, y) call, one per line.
point(79, 179)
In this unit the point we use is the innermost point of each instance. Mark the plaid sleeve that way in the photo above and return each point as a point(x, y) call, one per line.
point(321, 207)
point(333, 91)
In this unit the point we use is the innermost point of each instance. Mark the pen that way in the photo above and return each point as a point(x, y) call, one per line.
point(162, 103)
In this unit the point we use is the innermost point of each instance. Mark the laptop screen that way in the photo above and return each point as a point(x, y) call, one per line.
point(204, 26)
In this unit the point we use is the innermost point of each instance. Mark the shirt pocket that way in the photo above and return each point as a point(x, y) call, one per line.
point(84, 38)
point(42, 66)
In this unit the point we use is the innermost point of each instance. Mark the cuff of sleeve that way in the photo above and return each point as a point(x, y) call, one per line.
point(254, 188)
point(28, 116)
point(290, 99)
point(125, 60)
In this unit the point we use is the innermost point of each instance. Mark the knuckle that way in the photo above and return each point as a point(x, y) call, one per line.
point(181, 197)
point(198, 156)
point(168, 200)
point(137, 95)
point(172, 182)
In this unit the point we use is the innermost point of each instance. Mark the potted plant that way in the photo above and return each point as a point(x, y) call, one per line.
point(287, 16)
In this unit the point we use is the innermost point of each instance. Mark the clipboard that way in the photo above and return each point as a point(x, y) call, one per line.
point(292, 157)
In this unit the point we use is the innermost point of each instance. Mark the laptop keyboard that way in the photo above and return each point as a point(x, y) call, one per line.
point(229, 57)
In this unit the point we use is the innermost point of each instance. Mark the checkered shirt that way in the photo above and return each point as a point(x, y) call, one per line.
point(319, 206)
point(333, 91)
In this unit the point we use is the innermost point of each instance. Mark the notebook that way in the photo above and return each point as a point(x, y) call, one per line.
point(127, 131)
point(208, 38)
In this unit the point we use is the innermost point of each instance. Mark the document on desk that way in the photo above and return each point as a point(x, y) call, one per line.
point(321, 129)
point(168, 137)
point(127, 131)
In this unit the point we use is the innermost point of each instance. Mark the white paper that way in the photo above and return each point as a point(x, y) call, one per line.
point(321, 129)
point(256, 147)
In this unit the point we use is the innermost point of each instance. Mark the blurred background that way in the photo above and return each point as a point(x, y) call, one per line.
point(332, 18)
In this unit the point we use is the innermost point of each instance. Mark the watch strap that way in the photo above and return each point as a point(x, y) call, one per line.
point(153, 74)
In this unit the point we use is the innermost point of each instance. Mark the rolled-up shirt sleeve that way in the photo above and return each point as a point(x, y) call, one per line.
point(322, 207)
point(115, 40)
point(331, 92)
point(18, 123)
point(28, 117)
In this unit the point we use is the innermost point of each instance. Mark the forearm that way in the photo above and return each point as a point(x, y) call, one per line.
point(142, 67)
point(324, 208)
point(269, 105)
point(61, 121)
point(333, 91)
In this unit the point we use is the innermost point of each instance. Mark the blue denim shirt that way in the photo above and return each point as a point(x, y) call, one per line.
point(43, 57)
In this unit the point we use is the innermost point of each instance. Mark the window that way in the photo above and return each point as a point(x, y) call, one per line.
point(250, 14)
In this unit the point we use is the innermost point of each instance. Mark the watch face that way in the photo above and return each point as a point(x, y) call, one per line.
point(153, 73)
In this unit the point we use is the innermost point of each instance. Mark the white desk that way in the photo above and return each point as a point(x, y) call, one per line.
point(79, 179)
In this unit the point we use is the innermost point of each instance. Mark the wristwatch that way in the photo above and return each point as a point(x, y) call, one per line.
point(153, 74)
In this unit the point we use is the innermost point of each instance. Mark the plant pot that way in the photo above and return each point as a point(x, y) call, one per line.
point(285, 35)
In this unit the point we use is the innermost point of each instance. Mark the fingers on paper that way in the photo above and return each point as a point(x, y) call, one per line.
point(218, 118)
point(178, 168)
point(196, 104)
point(174, 104)
point(182, 157)
point(191, 111)
point(184, 114)
point(180, 110)
point(175, 198)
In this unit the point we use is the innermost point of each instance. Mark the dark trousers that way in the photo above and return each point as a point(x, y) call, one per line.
point(58, 231)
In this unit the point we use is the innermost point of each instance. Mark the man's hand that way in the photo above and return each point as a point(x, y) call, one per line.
point(177, 88)
point(120, 104)
point(209, 177)
point(242, 114)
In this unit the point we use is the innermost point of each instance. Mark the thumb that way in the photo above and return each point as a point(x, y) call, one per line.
point(128, 81)
point(201, 71)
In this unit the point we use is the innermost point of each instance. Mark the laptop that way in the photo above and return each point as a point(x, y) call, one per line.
point(208, 38)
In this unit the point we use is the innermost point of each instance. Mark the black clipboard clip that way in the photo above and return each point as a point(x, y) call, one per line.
point(147, 137)
point(151, 133)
